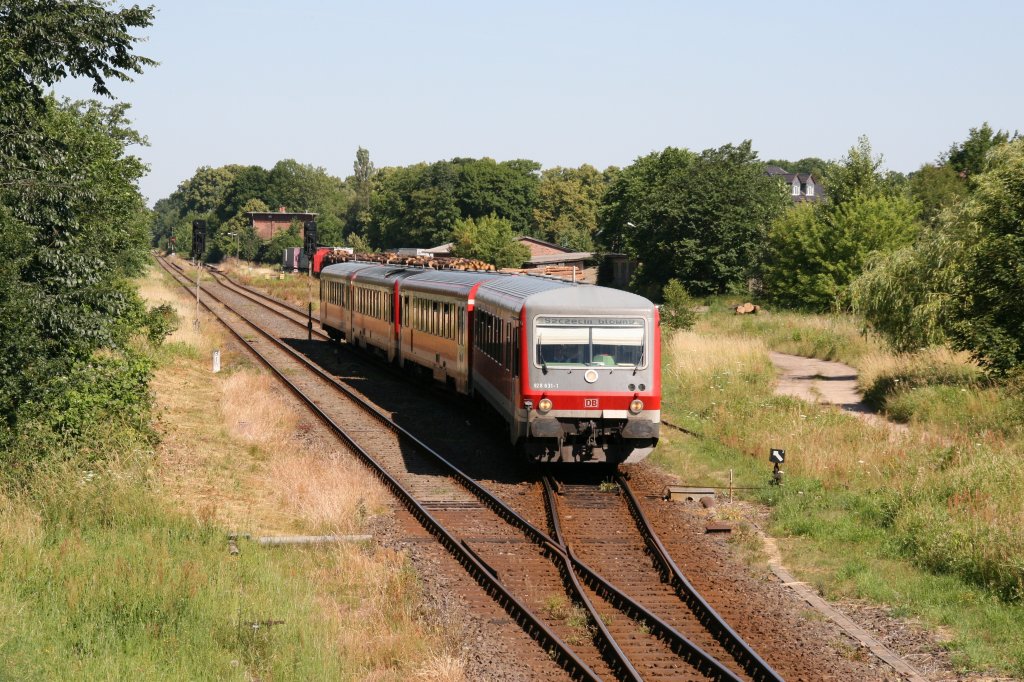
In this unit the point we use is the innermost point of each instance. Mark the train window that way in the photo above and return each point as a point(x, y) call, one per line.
point(515, 350)
point(508, 346)
point(617, 343)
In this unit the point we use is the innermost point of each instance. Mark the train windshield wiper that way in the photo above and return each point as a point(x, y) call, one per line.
point(640, 361)
point(540, 352)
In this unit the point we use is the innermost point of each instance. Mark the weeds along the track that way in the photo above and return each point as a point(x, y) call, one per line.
point(928, 523)
point(122, 570)
point(296, 288)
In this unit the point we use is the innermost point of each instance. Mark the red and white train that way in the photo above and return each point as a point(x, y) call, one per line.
point(574, 370)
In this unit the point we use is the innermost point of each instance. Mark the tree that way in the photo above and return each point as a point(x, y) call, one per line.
point(490, 239)
point(935, 188)
point(989, 320)
point(236, 236)
point(856, 174)
point(45, 41)
point(814, 254)
point(908, 296)
point(72, 225)
point(567, 204)
point(362, 182)
point(677, 310)
point(700, 218)
point(273, 250)
point(419, 205)
point(968, 157)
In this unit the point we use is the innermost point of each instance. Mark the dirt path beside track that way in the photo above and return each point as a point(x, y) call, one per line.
point(825, 382)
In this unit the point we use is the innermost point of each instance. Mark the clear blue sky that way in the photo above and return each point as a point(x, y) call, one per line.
point(565, 83)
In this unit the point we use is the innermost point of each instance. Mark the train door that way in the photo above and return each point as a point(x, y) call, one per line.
point(460, 347)
point(408, 321)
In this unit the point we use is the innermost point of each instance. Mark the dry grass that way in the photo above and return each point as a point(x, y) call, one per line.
point(236, 451)
point(296, 288)
point(158, 288)
point(935, 362)
point(726, 383)
point(696, 354)
point(19, 520)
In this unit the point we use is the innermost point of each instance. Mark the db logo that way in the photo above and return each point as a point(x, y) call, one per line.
point(590, 402)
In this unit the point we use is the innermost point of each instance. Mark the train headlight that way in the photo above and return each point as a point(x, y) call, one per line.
point(636, 407)
point(544, 406)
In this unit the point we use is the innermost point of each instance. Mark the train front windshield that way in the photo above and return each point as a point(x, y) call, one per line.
point(582, 342)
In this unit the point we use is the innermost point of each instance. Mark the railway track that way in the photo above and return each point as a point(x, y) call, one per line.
point(524, 568)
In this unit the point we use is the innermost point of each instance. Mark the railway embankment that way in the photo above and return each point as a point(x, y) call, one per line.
point(923, 528)
point(123, 567)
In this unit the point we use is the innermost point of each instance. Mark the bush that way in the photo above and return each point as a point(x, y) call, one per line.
point(677, 311)
point(161, 322)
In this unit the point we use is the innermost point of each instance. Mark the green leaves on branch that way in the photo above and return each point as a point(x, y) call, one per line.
point(816, 250)
point(990, 320)
point(701, 218)
point(73, 228)
point(677, 310)
point(490, 239)
point(962, 281)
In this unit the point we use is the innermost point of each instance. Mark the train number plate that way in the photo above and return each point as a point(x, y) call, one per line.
point(590, 402)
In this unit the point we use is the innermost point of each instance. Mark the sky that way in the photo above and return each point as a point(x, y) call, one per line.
point(564, 83)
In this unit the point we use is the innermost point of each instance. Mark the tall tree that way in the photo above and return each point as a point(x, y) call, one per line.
point(490, 239)
point(362, 184)
point(419, 205)
point(567, 204)
point(72, 221)
point(968, 157)
point(935, 188)
point(699, 218)
point(989, 321)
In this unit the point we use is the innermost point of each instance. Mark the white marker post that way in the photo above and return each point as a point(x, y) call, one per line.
point(216, 361)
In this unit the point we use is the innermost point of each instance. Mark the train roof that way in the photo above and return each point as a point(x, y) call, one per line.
point(504, 290)
point(344, 270)
point(385, 275)
point(544, 295)
point(587, 299)
point(447, 281)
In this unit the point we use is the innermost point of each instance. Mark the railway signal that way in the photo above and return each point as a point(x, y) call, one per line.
point(198, 239)
point(777, 456)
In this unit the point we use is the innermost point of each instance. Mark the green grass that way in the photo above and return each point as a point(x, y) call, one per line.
point(827, 337)
point(105, 574)
point(929, 525)
point(101, 582)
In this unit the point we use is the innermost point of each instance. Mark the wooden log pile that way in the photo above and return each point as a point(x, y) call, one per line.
point(747, 309)
point(565, 272)
point(436, 263)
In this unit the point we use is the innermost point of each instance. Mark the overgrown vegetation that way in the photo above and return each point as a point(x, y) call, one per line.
point(72, 232)
point(927, 522)
point(490, 239)
point(119, 567)
point(677, 311)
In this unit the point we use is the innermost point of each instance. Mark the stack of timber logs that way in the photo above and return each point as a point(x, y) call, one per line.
point(747, 309)
point(437, 263)
point(566, 272)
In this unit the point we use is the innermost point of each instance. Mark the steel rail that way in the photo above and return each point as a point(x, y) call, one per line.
point(679, 643)
point(276, 301)
point(604, 640)
point(483, 575)
point(752, 663)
